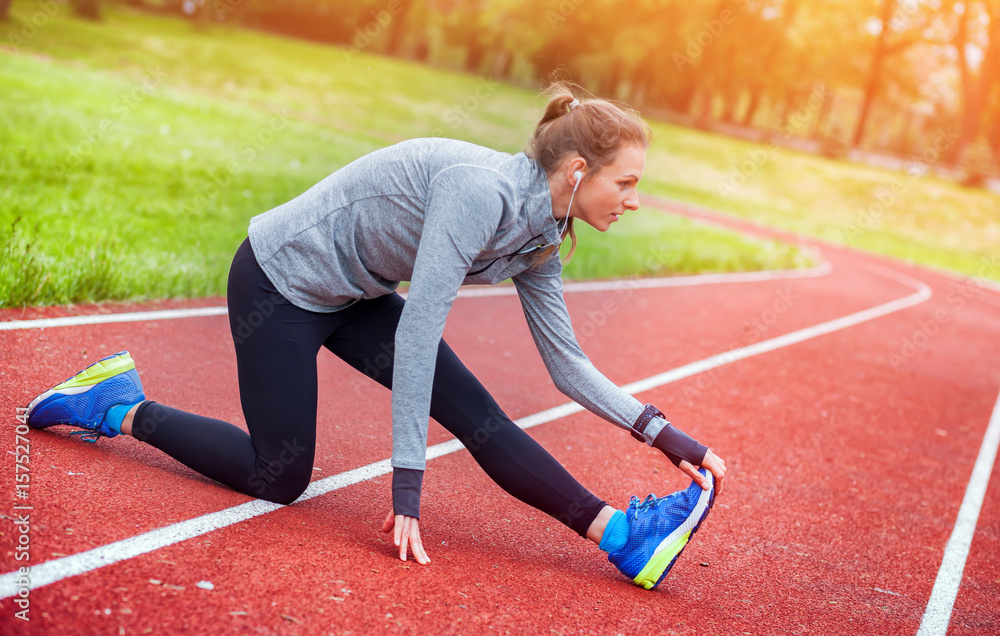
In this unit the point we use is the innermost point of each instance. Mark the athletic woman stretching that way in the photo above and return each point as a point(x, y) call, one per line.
point(321, 271)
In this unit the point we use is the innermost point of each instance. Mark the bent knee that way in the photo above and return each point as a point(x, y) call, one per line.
point(283, 491)
point(277, 486)
point(287, 495)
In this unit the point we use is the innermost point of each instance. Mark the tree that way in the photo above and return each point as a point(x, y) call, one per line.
point(878, 58)
point(911, 33)
point(4, 6)
point(977, 92)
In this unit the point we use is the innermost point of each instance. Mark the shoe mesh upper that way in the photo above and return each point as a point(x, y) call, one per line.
point(650, 525)
point(52, 412)
point(87, 410)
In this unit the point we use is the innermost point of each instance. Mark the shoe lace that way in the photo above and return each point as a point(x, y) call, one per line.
point(647, 504)
point(89, 436)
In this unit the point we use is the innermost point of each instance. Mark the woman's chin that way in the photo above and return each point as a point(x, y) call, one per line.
point(601, 225)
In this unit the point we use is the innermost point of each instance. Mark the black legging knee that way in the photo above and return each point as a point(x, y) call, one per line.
point(276, 347)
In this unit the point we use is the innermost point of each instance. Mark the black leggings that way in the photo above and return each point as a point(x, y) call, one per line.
point(276, 347)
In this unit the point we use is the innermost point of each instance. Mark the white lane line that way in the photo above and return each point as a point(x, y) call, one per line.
point(669, 281)
point(65, 567)
point(100, 319)
point(469, 292)
point(937, 616)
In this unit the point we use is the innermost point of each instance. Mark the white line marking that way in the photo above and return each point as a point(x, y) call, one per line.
point(469, 292)
point(65, 567)
point(100, 319)
point(669, 281)
point(937, 616)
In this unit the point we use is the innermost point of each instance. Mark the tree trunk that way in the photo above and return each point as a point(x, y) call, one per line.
point(959, 42)
point(611, 80)
point(4, 6)
point(502, 62)
point(751, 107)
point(685, 90)
point(422, 50)
point(474, 55)
point(705, 109)
point(994, 140)
point(791, 101)
point(639, 83)
point(397, 31)
point(875, 73)
point(824, 114)
point(729, 103)
point(88, 9)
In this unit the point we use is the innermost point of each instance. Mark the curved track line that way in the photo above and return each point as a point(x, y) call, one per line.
point(55, 570)
point(937, 615)
point(469, 292)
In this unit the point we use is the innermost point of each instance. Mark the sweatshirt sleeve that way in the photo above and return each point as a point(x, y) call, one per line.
point(459, 221)
point(541, 293)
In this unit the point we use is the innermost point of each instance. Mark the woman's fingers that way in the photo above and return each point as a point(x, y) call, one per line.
point(389, 522)
point(713, 464)
point(397, 529)
point(407, 537)
point(693, 473)
point(717, 466)
point(404, 535)
point(417, 545)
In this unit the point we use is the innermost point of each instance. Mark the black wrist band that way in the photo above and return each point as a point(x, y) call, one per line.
point(406, 486)
point(643, 421)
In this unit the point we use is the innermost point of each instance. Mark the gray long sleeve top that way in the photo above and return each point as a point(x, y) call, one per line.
point(438, 213)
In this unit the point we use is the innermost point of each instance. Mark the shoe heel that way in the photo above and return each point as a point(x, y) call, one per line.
point(658, 567)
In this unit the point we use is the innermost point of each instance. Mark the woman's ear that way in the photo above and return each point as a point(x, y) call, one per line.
point(578, 166)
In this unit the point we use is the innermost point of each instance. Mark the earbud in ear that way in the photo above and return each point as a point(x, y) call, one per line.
point(579, 175)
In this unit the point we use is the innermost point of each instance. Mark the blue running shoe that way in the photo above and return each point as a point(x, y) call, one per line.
point(659, 530)
point(84, 399)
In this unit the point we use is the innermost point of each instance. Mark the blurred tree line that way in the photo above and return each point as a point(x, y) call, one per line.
point(915, 78)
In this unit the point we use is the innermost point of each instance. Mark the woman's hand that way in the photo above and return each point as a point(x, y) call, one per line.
point(713, 463)
point(407, 533)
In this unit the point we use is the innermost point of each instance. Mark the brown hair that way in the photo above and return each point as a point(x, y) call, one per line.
point(595, 129)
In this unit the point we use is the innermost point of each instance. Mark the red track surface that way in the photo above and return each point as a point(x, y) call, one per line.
point(846, 475)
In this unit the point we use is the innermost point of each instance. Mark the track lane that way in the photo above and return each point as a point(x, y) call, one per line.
point(718, 407)
point(100, 556)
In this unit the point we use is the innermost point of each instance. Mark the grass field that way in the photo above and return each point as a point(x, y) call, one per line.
point(135, 151)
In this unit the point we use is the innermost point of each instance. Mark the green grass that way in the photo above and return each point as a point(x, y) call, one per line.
point(651, 244)
point(135, 151)
point(921, 219)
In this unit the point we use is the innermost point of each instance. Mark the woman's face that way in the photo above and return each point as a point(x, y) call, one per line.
point(605, 195)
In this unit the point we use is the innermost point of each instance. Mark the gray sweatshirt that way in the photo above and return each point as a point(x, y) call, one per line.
point(438, 213)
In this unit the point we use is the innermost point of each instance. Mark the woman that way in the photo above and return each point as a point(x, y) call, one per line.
point(321, 271)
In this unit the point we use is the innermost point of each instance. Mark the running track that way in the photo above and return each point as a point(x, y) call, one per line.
point(851, 416)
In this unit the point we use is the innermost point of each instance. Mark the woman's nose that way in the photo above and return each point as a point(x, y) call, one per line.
point(632, 202)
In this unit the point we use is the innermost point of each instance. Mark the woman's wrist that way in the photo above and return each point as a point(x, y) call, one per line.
point(406, 487)
point(649, 424)
point(653, 428)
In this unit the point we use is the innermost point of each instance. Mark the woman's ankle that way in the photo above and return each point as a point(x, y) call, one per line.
point(127, 420)
point(600, 523)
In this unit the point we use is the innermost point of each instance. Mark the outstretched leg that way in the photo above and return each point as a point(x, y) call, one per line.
point(515, 461)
